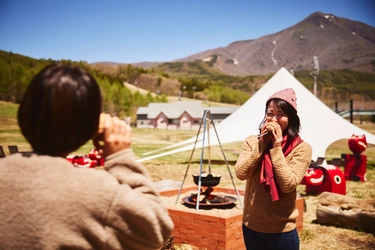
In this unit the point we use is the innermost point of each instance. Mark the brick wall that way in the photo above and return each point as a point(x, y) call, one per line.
point(212, 231)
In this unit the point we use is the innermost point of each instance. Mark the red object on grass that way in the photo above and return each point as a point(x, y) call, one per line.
point(324, 178)
point(357, 144)
point(355, 167)
point(93, 159)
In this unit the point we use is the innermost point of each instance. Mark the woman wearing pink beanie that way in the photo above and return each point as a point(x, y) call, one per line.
point(273, 165)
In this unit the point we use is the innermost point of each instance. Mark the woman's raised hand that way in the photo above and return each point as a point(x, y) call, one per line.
point(114, 135)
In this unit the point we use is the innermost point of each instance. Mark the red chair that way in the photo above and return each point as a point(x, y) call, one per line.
point(2, 153)
point(13, 149)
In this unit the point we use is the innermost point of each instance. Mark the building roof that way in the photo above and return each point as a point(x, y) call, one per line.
point(142, 111)
point(175, 110)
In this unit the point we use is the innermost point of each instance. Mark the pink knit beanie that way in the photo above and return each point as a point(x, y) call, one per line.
point(287, 95)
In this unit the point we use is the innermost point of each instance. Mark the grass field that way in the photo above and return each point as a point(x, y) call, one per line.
point(173, 167)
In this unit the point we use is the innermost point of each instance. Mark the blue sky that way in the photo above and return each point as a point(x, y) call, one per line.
point(154, 30)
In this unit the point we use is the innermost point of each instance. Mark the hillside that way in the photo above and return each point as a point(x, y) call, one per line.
point(339, 43)
point(345, 50)
point(232, 74)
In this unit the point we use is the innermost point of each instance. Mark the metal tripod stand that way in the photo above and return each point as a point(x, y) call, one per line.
point(206, 118)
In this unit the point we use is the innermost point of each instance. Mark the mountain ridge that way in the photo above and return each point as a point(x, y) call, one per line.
point(339, 43)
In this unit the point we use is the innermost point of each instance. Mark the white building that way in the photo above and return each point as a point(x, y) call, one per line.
point(185, 115)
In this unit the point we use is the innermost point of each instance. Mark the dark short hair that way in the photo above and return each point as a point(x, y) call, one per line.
point(60, 109)
point(294, 125)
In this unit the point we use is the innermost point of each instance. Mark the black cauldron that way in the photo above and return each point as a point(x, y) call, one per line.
point(207, 180)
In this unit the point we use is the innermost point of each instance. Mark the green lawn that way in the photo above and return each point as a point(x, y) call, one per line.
point(174, 166)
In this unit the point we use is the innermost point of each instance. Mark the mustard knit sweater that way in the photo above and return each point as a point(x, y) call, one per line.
point(46, 203)
point(260, 213)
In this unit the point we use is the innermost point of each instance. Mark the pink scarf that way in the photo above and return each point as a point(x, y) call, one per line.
point(267, 172)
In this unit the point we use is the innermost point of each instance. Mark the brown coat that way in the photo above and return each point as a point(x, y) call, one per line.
point(46, 203)
point(261, 214)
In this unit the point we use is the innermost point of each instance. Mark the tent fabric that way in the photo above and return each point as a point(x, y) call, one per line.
point(320, 126)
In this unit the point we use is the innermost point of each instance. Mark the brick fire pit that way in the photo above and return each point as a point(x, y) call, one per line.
point(211, 228)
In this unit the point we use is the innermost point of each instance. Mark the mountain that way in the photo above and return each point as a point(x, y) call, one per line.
point(339, 43)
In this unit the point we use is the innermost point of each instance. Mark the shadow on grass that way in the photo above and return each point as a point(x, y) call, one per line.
point(214, 162)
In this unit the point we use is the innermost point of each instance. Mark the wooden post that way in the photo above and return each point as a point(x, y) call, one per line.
point(351, 111)
point(348, 212)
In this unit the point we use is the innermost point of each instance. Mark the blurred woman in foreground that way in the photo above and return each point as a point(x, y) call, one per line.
point(46, 203)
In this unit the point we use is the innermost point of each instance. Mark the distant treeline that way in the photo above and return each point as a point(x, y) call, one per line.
point(16, 71)
point(340, 85)
point(332, 85)
point(197, 79)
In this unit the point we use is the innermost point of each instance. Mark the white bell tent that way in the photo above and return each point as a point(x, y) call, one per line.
point(320, 126)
